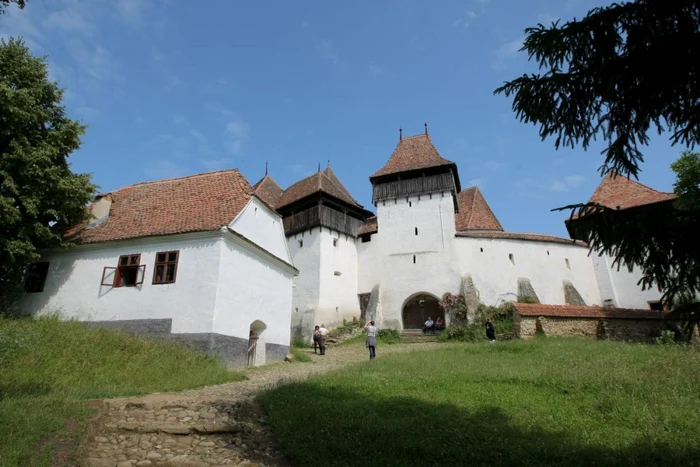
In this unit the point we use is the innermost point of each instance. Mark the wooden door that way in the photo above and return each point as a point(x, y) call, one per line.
point(252, 348)
point(417, 311)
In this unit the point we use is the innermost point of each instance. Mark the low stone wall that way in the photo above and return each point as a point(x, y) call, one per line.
point(233, 351)
point(584, 321)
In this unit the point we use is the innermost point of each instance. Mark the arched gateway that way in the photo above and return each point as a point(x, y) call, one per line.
point(418, 308)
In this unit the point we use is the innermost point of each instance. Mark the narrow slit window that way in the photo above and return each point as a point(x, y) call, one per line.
point(409, 204)
point(481, 250)
point(511, 258)
point(335, 242)
point(301, 243)
point(547, 252)
point(36, 277)
point(568, 265)
point(416, 230)
point(414, 259)
point(165, 269)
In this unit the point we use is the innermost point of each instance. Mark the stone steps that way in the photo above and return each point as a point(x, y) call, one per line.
point(417, 337)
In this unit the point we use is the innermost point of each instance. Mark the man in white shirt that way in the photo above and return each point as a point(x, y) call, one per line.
point(428, 326)
point(322, 333)
point(371, 342)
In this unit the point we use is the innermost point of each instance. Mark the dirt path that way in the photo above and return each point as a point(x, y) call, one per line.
point(215, 425)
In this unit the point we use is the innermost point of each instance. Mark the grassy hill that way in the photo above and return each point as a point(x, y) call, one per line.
point(49, 370)
point(542, 402)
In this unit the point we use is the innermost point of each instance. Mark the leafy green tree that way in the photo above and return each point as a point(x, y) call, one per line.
point(616, 74)
point(39, 194)
point(5, 3)
point(687, 186)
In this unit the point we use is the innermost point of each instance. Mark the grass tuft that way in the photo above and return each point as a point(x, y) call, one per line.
point(541, 402)
point(50, 368)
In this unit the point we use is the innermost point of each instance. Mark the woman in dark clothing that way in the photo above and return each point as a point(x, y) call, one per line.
point(490, 332)
point(317, 334)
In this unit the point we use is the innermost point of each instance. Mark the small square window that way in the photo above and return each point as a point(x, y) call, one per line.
point(335, 242)
point(128, 271)
point(165, 269)
point(366, 238)
point(511, 258)
point(301, 243)
point(568, 265)
point(36, 277)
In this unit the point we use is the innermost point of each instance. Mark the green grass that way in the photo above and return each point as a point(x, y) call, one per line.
point(301, 353)
point(542, 402)
point(49, 369)
point(384, 337)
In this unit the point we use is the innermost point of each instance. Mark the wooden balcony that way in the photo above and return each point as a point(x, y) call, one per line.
point(413, 186)
point(322, 216)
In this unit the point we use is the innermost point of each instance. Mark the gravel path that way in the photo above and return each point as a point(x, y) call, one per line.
point(215, 425)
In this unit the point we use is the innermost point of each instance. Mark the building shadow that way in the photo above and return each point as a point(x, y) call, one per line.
point(324, 424)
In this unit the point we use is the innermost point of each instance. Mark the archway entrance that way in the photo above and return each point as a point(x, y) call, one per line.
point(419, 308)
point(256, 344)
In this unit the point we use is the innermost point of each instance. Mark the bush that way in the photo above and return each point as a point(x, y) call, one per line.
point(667, 337)
point(300, 354)
point(300, 343)
point(389, 336)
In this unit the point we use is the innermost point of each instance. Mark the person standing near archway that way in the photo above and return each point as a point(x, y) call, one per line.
point(371, 342)
point(322, 333)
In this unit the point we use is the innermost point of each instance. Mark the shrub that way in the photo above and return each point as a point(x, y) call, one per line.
point(455, 306)
point(667, 337)
point(299, 343)
point(389, 336)
point(463, 333)
point(300, 354)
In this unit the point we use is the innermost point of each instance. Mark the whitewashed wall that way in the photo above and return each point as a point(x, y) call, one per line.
point(435, 270)
point(73, 283)
point(544, 264)
point(338, 279)
point(621, 286)
point(252, 287)
point(262, 226)
point(306, 291)
point(369, 264)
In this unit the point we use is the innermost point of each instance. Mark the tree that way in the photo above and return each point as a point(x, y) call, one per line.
point(5, 3)
point(39, 195)
point(616, 74)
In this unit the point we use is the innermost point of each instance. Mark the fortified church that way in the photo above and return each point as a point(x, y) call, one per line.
point(428, 237)
point(238, 270)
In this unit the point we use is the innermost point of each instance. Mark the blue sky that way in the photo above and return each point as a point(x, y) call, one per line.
point(173, 87)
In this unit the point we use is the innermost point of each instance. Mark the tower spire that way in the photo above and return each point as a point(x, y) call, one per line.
point(266, 168)
point(426, 129)
point(329, 163)
point(400, 134)
point(319, 166)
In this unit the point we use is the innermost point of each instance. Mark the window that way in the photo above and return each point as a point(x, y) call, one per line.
point(416, 229)
point(165, 268)
point(547, 252)
point(656, 306)
point(301, 243)
point(511, 258)
point(409, 204)
point(568, 265)
point(335, 242)
point(481, 250)
point(414, 259)
point(128, 273)
point(366, 238)
point(36, 277)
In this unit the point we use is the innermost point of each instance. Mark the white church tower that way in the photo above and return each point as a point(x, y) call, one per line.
point(413, 256)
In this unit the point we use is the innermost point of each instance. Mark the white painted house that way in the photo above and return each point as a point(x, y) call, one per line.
point(200, 258)
point(430, 237)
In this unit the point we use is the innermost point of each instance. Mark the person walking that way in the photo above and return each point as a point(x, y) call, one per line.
point(490, 332)
point(317, 334)
point(322, 333)
point(371, 342)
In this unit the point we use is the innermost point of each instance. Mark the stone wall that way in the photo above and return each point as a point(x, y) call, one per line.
point(603, 328)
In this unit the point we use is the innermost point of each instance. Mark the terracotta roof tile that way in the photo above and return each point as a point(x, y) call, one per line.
point(520, 236)
point(318, 182)
point(370, 226)
point(625, 193)
point(474, 212)
point(268, 190)
point(572, 311)
point(412, 153)
point(196, 203)
point(336, 181)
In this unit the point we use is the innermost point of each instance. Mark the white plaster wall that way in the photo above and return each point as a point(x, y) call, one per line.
point(436, 269)
point(263, 227)
point(252, 287)
point(627, 293)
point(544, 264)
point(603, 276)
point(307, 259)
point(338, 279)
point(368, 264)
point(73, 283)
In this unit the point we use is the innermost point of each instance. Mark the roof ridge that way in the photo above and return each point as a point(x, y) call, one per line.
point(636, 182)
point(164, 180)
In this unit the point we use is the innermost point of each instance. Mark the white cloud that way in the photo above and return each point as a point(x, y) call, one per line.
point(465, 20)
point(218, 164)
point(132, 11)
point(237, 131)
point(328, 52)
point(164, 168)
point(94, 59)
point(575, 181)
point(507, 52)
point(19, 23)
point(565, 184)
point(70, 19)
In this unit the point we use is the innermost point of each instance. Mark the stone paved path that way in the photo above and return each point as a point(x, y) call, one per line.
point(216, 425)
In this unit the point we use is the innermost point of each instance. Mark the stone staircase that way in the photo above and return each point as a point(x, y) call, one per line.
point(416, 336)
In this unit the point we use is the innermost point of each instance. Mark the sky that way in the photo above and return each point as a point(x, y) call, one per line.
point(171, 88)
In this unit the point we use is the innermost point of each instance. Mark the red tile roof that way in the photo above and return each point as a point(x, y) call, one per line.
point(370, 226)
point(621, 192)
point(412, 153)
point(268, 190)
point(196, 203)
point(474, 212)
point(318, 182)
point(520, 236)
point(574, 311)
